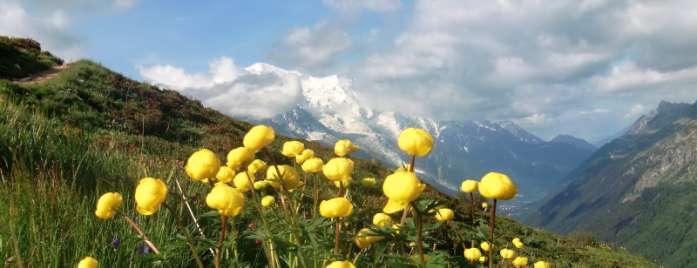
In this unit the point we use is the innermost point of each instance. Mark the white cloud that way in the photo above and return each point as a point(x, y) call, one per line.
point(124, 3)
point(258, 91)
point(357, 5)
point(312, 48)
point(542, 63)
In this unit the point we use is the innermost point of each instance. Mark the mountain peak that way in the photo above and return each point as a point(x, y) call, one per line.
point(519, 132)
point(573, 141)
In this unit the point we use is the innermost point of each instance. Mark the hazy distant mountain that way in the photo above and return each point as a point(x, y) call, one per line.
point(330, 110)
point(638, 190)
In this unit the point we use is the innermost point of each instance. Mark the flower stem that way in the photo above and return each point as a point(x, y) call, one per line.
point(492, 225)
point(472, 207)
point(141, 234)
point(419, 239)
point(223, 225)
point(191, 213)
point(189, 239)
point(337, 230)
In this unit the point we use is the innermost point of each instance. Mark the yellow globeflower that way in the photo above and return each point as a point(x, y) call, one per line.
point(344, 147)
point(292, 148)
point(382, 220)
point(256, 166)
point(238, 156)
point(520, 262)
point(517, 243)
point(345, 183)
point(482, 259)
point(415, 141)
point(368, 182)
point(444, 214)
point(258, 137)
point(258, 185)
point(107, 205)
point(226, 199)
point(365, 238)
point(336, 208)
point(267, 200)
point(496, 185)
point(485, 246)
point(150, 193)
point(507, 253)
point(472, 254)
point(401, 188)
point(302, 157)
point(338, 168)
point(225, 174)
point(242, 183)
point(542, 264)
point(468, 186)
point(203, 164)
point(88, 262)
point(313, 165)
point(289, 177)
point(340, 264)
point(485, 205)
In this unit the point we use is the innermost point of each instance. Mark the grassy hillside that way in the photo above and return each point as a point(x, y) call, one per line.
point(87, 131)
point(20, 57)
point(637, 191)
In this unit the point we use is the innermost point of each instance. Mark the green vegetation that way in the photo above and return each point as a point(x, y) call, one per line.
point(88, 131)
point(20, 57)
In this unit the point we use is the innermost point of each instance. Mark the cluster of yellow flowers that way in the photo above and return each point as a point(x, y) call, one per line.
point(243, 176)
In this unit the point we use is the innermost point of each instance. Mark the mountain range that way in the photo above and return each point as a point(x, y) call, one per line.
point(638, 190)
point(329, 109)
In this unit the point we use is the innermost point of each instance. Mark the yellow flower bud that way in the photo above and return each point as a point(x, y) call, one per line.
point(289, 177)
point(469, 186)
point(520, 262)
point(336, 208)
point(226, 199)
point(258, 185)
point(150, 193)
point(415, 141)
point(242, 182)
point(382, 220)
point(496, 185)
point(107, 205)
point(238, 156)
point(256, 166)
point(267, 200)
point(368, 182)
point(402, 187)
point(258, 137)
point(365, 238)
point(517, 243)
point(507, 253)
point(341, 264)
point(344, 147)
point(542, 264)
point(472, 254)
point(482, 259)
point(203, 164)
point(338, 168)
point(88, 262)
point(485, 205)
point(306, 154)
point(225, 174)
point(292, 148)
point(485, 246)
point(444, 214)
point(313, 165)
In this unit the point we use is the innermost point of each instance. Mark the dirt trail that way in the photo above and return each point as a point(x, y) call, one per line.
point(42, 76)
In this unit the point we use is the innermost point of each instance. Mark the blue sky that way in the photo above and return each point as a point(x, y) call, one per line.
point(582, 67)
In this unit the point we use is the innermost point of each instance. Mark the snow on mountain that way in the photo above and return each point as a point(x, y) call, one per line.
point(330, 110)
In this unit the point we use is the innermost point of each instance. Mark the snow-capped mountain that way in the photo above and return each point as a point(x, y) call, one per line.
point(330, 110)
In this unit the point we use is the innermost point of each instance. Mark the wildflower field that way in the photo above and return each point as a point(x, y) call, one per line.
point(92, 175)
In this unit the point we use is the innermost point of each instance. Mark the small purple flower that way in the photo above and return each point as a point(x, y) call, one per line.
point(116, 242)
